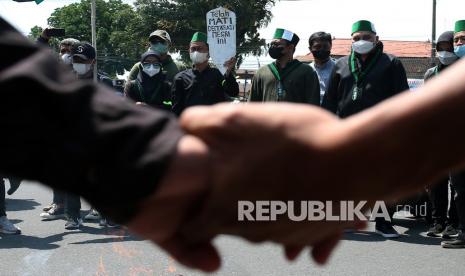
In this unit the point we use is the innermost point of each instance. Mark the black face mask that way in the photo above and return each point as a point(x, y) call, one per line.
point(276, 52)
point(321, 54)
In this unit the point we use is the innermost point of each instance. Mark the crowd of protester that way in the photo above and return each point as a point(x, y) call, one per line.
point(344, 87)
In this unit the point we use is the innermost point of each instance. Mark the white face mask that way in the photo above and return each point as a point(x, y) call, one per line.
point(447, 58)
point(151, 70)
point(67, 59)
point(81, 68)
point(363, 47)
point(198, 57)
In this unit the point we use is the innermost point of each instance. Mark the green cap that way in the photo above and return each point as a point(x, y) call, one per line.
point(287, 35)
point(363, 26)
point(199, 37)
point(459, 26)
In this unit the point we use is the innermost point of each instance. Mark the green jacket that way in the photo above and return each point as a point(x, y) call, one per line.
point(168, 65)
point(300, 84)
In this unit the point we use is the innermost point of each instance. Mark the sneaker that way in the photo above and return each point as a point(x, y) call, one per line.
point(93, 215)
point(108, 223)
point(435, 231)
point(53, 213)
point(450, 232)
point(6, 227)
point(73, 223)
point(48, 207)
point(458, 242)
point(386, 230)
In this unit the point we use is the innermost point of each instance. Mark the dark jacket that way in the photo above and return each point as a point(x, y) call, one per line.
point(192, 87)
point(386, 79)
point(108, 150)
point(154, 91)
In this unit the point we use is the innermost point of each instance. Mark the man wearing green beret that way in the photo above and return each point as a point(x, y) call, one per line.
point(459, 38)
point(363, 79)
point(457, 179)
point(286, 79)
point(160, 42)
point(202, 84)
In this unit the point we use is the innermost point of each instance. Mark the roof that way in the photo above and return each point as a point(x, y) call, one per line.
point(401, 49)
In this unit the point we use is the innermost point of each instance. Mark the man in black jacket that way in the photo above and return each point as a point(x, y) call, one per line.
point(363, 79)
point(202, 85)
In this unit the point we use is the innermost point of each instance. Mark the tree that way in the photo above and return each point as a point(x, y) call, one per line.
point(182, 18)
point(122, 31)
point(118, 46)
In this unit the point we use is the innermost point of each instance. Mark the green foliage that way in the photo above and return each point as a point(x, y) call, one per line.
point(182, 18)
point(122, 31)
point(118, 46)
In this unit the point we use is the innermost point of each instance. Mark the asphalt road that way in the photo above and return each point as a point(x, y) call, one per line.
point(46, 248)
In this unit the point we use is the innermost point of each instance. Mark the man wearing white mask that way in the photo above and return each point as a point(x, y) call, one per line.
point(202, 85)
point(159, 41)
point(457, 179)
point(445, 53)
point(445, 219)
point(83, 57)
point(363, 79)
point(366, 77)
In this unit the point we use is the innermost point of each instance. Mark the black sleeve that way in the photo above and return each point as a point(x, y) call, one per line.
point(129, 91)
point(399, 76)
point(177, 92)
point(230, 85)
point(75, 135)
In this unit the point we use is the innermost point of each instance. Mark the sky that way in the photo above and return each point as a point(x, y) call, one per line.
point(393, 19)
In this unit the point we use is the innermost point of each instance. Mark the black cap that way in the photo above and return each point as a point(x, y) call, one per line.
point(83, 50)
point(150, 53)
point(446, 37)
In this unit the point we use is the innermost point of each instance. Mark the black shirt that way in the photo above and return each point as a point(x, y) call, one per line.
point(78, 136)
point(192, 87)
point(154, 91)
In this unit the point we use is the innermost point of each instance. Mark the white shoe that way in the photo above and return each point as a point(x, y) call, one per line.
point(93, 215)
point(6, 227)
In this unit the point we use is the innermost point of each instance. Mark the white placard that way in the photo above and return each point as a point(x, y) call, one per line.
point(221, 30)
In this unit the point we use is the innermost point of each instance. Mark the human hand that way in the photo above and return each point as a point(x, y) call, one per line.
point(269, 152)
point(230, 65)
point(162, 214)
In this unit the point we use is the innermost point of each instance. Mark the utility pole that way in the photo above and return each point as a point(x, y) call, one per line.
point(433, 35)
point(94, 35)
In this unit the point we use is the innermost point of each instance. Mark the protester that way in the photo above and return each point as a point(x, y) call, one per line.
point(444, 218)
point(6, 226)
point(320, 45)
point(286, 79)
point(151, 86)
point(203, 85)
point(160, 41)
point(363, 79)
point(458, 178)
point(180, 184)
